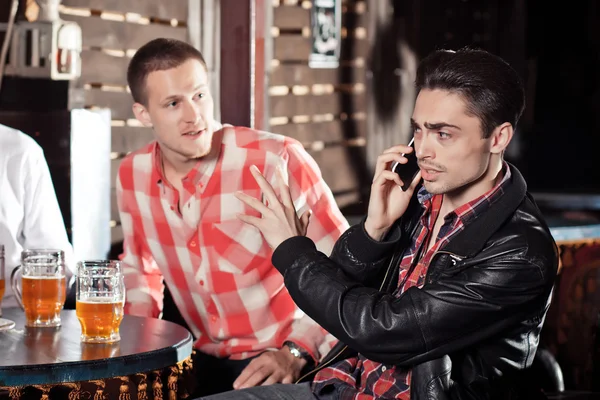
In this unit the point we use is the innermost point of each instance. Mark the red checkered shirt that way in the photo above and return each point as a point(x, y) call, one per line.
point(218, 268)
point(360, 378)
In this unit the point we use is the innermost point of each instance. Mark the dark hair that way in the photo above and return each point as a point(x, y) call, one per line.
point(157, 55)
point(489, 86)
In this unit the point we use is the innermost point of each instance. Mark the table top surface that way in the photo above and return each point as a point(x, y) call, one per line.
point(52, 355)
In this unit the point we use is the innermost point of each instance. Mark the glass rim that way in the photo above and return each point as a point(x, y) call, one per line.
point(44, 250)
point(57, 253)
point(89, 268)
point(98, 263)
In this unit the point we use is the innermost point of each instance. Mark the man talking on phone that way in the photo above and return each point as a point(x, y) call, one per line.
point(441, 291)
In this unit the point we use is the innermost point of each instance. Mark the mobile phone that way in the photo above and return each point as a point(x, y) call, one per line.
point(408, 171)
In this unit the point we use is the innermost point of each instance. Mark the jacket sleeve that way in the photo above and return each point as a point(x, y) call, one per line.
point(361, 258)
point(422, 324)
point(309, 191)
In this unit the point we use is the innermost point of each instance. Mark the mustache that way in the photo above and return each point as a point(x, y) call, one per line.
point(431, 166)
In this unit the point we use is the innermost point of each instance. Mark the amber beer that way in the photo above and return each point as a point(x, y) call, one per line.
point(43, 299)
point(99, 300)
point(100, 319)
point(42, 288)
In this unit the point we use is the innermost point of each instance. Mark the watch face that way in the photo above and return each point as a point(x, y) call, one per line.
point(296, 350)
point(295, 353)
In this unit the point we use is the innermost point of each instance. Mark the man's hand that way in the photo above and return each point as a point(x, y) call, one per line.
point(279, 219)
point(388, 201)
point(269, 368)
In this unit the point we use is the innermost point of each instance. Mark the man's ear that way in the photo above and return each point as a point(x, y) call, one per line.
point(501, 137)
point(142, 115)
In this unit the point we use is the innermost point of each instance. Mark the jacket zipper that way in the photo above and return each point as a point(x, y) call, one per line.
point(455, 257)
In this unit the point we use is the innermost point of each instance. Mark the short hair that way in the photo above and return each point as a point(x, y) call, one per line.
point(157, 55)
point(490, 87)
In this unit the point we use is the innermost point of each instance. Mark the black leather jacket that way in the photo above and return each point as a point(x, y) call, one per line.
point(474, 325)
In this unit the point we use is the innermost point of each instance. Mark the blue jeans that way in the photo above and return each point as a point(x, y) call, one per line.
point(299, 391)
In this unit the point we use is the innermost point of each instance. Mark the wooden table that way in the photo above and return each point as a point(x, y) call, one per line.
point(151, 357)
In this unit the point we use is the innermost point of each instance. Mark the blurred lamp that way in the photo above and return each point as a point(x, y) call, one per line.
point(46, 48)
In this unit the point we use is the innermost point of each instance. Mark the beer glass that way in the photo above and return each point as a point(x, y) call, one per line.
point(100, 300)
point(43, 286)
point(4, 323)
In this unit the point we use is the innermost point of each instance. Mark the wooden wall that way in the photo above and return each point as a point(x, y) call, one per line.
point(322, 108)
point(112, 31)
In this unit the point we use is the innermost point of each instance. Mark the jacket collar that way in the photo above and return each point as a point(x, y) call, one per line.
point(472, 239)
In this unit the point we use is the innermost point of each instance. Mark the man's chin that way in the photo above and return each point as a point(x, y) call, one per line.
point(433, 187)
point(198, 154)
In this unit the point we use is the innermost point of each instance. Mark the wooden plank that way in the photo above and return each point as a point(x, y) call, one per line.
point(166, 10)
point(290, 74)
point(99, 67)
point(334, 103)
point(291, 17)
point(119, 102)
point(235, 63)
point(298, 48)
point(125, 139)
point(328, 132)
point(291, 48)
point(103, 33)
point(261, 37)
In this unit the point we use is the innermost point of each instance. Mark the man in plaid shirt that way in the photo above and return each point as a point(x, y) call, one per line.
point(441, 291)
point(178, 211)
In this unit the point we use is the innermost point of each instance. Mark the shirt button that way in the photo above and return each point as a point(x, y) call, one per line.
point(201, 282)
point(213, 318)
point(383, 368)
point(193, 243)
point(172, 208)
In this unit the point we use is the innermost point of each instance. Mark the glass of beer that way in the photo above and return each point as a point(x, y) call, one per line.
point(43, 286)
point(100, 300)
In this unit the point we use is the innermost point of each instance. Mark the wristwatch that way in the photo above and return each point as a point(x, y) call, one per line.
point(297, 351)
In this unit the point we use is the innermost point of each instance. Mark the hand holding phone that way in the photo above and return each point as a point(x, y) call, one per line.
point(408, 171)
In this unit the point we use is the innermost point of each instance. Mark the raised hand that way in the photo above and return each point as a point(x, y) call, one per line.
point(388, 201)
point(278, 220)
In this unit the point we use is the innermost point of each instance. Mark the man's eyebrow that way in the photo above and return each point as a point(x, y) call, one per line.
point(434, 125)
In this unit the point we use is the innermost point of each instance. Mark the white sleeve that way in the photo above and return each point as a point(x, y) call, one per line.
point(43, 225)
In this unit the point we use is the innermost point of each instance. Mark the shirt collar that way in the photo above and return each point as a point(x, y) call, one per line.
point(463, 212)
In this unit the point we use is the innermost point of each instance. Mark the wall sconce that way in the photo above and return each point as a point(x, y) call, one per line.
point(46, 48)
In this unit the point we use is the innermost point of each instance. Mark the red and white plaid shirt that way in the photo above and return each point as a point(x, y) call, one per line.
point(359, 378)
point(218, 268)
